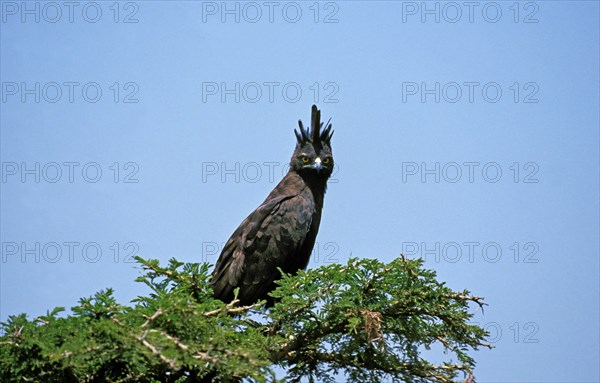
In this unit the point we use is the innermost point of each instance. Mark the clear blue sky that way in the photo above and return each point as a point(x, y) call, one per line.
point(497, 101)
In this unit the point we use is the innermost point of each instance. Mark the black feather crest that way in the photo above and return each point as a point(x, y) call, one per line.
point(314, 134)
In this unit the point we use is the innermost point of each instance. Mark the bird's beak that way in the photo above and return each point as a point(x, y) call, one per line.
point(318, 164)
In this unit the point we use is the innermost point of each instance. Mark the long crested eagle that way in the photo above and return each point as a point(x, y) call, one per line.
point(281, 232)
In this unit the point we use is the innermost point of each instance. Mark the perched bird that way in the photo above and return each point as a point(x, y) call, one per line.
point(281, 232)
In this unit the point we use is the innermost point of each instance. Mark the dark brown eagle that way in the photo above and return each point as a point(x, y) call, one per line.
point(281, 232)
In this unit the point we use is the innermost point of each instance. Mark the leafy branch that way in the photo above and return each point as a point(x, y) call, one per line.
point(362, 321)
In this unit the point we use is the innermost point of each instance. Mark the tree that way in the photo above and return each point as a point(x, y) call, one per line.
point(358, 322)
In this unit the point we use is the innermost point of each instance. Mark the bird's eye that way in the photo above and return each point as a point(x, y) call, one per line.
point(305, 159)
point(326, 160)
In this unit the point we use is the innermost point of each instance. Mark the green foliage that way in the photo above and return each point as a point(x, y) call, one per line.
point(363, 321)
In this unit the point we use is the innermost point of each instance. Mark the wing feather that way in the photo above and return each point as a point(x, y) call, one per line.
point(265, 240)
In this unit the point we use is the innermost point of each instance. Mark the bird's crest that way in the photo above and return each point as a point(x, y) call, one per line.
point(314, 135)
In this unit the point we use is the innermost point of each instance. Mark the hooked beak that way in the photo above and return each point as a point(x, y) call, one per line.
point(318, 164)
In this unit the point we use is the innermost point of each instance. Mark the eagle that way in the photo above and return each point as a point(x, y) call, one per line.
point(281, 232)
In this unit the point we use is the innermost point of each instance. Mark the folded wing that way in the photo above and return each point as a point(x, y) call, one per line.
point(270, 237)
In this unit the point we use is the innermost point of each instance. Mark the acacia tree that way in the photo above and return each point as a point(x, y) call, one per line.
point(359, 322)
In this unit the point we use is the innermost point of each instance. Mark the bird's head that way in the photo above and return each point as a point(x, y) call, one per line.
point(313, 155)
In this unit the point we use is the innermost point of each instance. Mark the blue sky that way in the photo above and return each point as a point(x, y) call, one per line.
point(464, 134)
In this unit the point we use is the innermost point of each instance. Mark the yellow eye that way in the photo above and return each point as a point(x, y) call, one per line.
point(305, 159)
point(326, 160)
